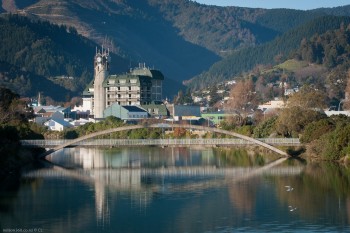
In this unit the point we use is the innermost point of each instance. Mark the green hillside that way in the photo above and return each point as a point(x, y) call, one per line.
point(39, 56)
point(246, 59)
point(181, 38)
point(321, 62)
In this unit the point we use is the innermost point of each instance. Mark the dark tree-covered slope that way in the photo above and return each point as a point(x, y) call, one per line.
point(39, 56)
point(247, 59)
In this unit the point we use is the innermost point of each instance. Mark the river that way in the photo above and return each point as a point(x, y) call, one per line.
point(198, 189)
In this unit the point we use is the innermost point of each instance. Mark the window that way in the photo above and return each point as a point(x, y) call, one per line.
point(133, 80)
point(122, 81)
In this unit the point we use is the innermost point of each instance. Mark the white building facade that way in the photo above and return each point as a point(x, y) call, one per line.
point(140, 86)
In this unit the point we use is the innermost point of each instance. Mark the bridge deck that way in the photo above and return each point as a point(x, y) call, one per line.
point(164, 126)
point(161, 142)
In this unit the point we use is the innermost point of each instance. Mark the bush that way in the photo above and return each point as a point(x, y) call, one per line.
point(70, 134)
point(246, 130)
point(333, 145)
point(265, 129)
point(292, 121)
point(316, 130)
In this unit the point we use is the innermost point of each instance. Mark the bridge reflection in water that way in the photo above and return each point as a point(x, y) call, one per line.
point(126, 174)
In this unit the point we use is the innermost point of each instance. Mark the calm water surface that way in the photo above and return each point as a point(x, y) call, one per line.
point(151, 189)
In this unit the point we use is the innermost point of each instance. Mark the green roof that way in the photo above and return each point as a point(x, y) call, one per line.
point(155, 74)
point(127, 77)
point(161, 109)
point(86, 91)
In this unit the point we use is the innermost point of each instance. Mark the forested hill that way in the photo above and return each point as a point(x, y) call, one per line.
point(281, 47)
point(180, 37)
point(331, 51)
point(40, 56)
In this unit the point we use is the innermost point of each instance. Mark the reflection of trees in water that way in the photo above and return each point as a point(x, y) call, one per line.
point(333, 191)
point(8, 191)
point(243, 196)
point(245, 156)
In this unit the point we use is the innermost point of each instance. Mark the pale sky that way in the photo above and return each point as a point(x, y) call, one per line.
point(269, 4)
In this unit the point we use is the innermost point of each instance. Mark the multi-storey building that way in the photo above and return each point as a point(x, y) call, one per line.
point(140, 86)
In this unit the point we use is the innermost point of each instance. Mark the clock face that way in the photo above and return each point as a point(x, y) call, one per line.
point(99, 59)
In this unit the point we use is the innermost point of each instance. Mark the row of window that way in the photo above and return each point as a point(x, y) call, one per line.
point(124, 96)
point(122, 81)
point(123, 103)
point(131, 88)
point(137, 116)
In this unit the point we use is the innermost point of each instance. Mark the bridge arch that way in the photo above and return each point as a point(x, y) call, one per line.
point(163, 125)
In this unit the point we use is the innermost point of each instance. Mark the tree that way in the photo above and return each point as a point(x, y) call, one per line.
point(179, 132)
point(308, 98)
point(336, 82)
point(182, 98)
point(6, 98)
point(242, 99)
point(347, 93)
point(12, 110)
point(292, 121)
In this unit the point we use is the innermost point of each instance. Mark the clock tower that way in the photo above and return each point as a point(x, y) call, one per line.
point(101, 72)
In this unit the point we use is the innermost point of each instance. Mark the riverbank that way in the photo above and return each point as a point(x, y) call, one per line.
point(14, 159)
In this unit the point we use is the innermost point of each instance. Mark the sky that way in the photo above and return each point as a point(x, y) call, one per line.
point(270, 4)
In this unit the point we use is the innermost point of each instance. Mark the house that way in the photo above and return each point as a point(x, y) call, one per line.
point(273, 104)
point(156, 110)
point(291, 91)
point(216, 117)
point(57, 124)
point(185, 112)
point(126, 112)
point(45, 116)
point(45, 111)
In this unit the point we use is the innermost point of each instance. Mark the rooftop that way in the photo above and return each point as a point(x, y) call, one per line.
point(133, 108)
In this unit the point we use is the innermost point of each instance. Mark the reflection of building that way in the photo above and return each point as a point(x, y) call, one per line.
point(140, 86)
point(101, 203)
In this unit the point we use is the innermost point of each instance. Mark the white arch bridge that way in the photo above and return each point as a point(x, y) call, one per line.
point(164, 126)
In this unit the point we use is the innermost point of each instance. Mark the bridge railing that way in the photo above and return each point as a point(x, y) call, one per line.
point(159, 142)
